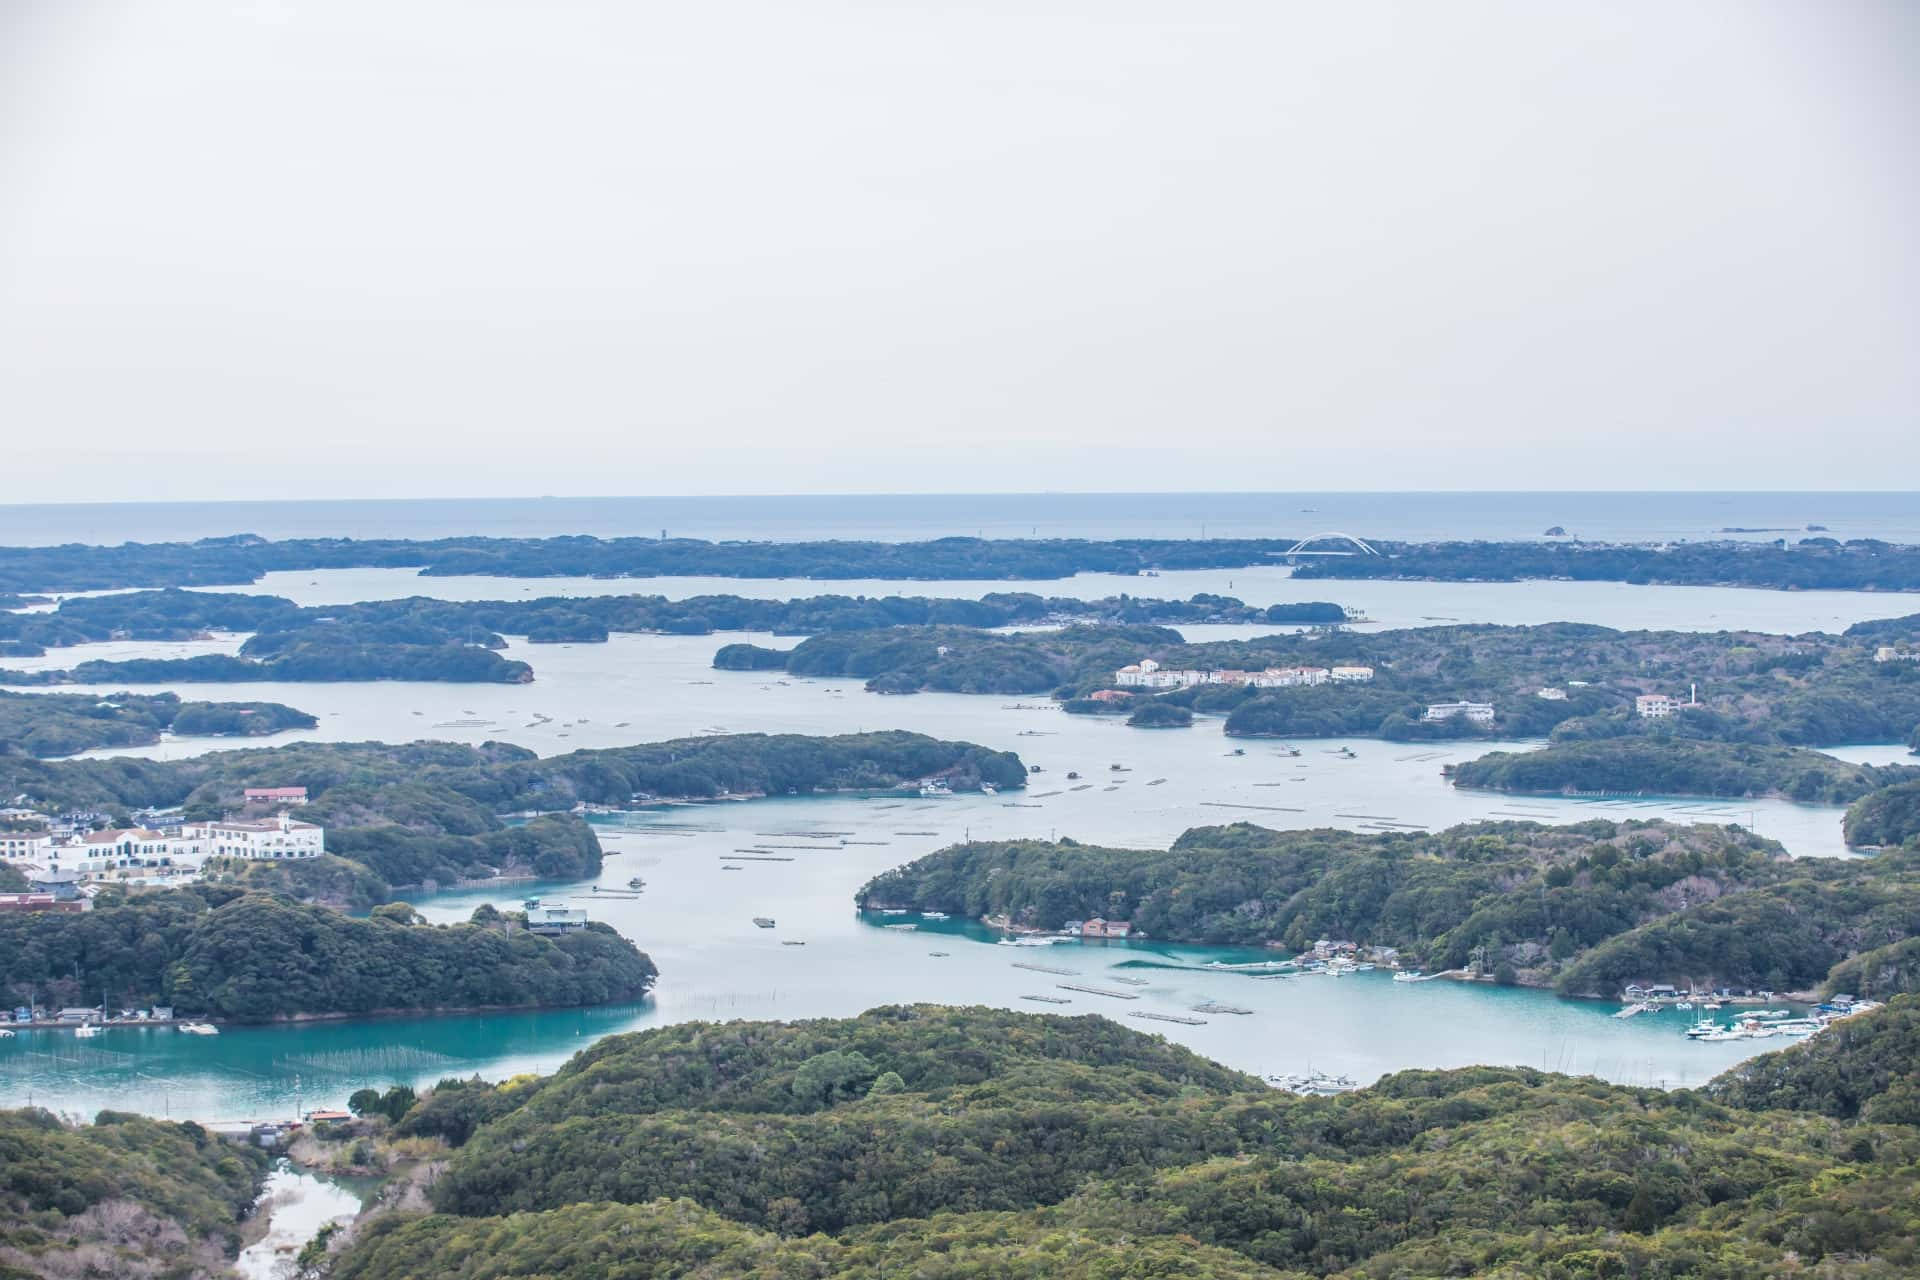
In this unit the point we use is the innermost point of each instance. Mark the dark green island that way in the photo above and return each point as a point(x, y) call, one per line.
point(63, 724)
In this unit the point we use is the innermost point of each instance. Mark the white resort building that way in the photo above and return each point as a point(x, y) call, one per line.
point(1655, 706)
point(1478, 712)
point(1148, 674)
point(144, 855)
point(268, 839)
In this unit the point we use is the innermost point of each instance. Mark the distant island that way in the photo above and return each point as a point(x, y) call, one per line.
point(424, 639)
point(1574, 681)
point(64, 724)
point(1679, 767)
point(1586, 909)
point(1811, 562)
point(433, 813)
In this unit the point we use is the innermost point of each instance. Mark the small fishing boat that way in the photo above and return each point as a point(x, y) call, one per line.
point(988, 789)
point(636, 883)
point(86, 1031)
point(933, 915)
point(936, 790)
point(728, 866)
point(764, 922)
point(200, 1028)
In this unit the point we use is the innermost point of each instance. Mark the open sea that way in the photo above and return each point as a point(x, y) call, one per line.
point(1616, 517)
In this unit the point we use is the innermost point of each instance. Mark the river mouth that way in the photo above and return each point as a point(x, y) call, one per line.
point(297, 1204)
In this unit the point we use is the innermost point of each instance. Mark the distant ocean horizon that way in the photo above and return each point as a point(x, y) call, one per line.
point(1495, 516)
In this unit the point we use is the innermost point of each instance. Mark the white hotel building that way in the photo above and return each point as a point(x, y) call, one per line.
point(144, 855)
point(1148, 674)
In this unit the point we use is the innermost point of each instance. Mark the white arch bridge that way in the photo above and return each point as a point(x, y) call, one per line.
point(1355, 547)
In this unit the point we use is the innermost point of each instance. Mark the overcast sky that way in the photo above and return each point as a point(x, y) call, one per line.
point(447, 247)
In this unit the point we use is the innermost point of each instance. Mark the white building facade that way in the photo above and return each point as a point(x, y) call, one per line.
point(267, 840)
point(1478, 712)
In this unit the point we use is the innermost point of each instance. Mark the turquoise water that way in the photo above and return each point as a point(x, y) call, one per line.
point(695, 919)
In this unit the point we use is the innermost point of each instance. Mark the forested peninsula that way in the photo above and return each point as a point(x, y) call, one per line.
point(214, 951)
point(62, 724)
point(424, 639)
point(1815, 562)
point(123, 1196)
point(429, 813)
point(973, 1142)
point(1808, 690)
point(1679, 767)
point(1586, 909)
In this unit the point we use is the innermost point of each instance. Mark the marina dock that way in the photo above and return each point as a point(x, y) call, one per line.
point(1098, 991)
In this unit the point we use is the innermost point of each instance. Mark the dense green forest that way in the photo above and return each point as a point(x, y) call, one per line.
point(1889, 816)
point(213, 951)
point(121, 1197)
point(1586, 908)
point(61, 724)
point(1683, 767)
point(433, 812)
point(958, 1143)
point(1808, 690)
point(1807, 563)
point(969, 660)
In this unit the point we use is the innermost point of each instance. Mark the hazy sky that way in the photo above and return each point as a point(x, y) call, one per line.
point(254, 249)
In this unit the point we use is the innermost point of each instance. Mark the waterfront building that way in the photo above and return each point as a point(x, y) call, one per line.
point(552, 921)
point(1477, 712)
point(1098, 928)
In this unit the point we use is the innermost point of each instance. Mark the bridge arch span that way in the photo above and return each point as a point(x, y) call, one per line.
point(1332, 535)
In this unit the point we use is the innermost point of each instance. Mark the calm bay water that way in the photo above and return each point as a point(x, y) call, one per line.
point(1636, 517)
point(695, 918)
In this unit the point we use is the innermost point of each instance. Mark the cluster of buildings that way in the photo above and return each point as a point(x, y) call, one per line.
point(1894, 653)
point(1148, 674)
point(1097, 928)
point(60, 863)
